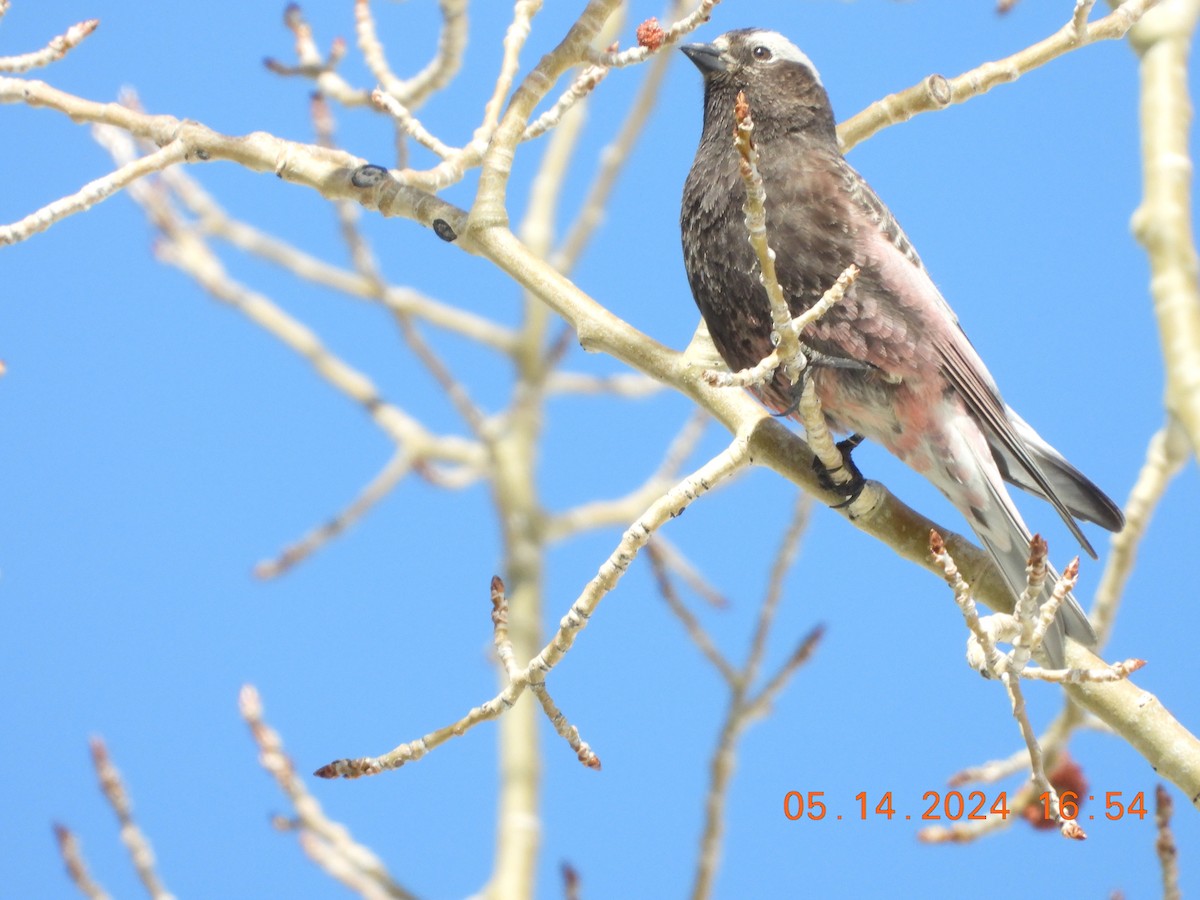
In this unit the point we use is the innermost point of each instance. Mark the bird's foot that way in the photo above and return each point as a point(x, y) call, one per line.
point(846, 479)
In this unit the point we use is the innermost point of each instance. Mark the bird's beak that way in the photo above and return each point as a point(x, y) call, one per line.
point(706, 57)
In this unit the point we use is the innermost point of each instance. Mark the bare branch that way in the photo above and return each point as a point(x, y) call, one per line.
point(328, 843)
point(623, 384)
point(585, 82)
point(92, 193)
point(342, 176)
point(662, 38)
point(53, 51)
point(1164, 844)
point(671, 504)
point(183, 248)
point(742, 711)
point(410, 124)
point(1051, 741)
point(1165, 456)
point(785, 558)
point(612, 158)
point(488, 209)
point(68, 844)
point(514, 40)
point(937, 92)
point(412, 92)
point(695, 631)
point(1163, 221)
point(601, 513)
point(785, 340)
point(138, 845)
point(677, 563)
point(214, 220)
point(380, 486)
point(311, 64)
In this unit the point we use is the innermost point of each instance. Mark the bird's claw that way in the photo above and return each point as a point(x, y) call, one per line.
point(849, 487)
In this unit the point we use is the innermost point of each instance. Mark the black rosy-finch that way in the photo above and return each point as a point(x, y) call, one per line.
point(891, 362)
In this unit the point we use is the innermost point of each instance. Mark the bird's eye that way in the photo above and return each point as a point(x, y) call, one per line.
point(761, 53)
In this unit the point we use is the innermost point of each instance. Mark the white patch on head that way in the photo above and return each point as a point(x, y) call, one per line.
point(780, 47)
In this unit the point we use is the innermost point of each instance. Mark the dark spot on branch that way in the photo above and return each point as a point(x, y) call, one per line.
point(368, 176)
point(939, 90)
point(443, 230)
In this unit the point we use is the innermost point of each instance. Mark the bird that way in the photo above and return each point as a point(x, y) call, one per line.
point(890, 361)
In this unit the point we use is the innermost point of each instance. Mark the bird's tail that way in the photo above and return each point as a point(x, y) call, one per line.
point(1012, 558)
point(1074, 489)
point(1006, 538)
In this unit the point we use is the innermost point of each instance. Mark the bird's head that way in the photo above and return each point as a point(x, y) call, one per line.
point(781, 83)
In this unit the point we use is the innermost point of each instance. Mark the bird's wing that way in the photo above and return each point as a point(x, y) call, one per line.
point(1076, 490)
point(884, 242)
point(960, 365)
point(867, 202)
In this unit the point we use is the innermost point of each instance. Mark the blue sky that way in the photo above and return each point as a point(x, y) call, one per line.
point(156, 446)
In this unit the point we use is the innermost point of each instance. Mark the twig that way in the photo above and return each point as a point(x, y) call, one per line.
point(183, 248)
point(937, 92)
point(380, 486)
point(1051, 741)
point(785, 558)
point(214, 220)
point(662, 38)
point(765, 369)
point(744, 706)
point(1069, 828)
point(743, 710)
point(1079, 19)
point(68, 844)
point(695, 631)
point(412, 92)
point(785, 340)
point(1028, 603)
point(622, 384)
point(140, 852)
point(602, 513)
point(585, 82)
point(94, 192)
point(710, 475)
point(680, 565)
point(982, 651)
point(514, 40)
point(311, 64)
point(488, 209)
point(1165, 456)
point(365, 263)
point(789, 356)
point(612, 159)
point(328, 843)
point(410, 124)
point(563, 727)
point(1164, 844)
point(1117, 671)
point(55, 50)
point(1026, 638)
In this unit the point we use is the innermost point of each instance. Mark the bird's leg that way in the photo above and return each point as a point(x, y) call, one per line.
point(844, 477)
point(852, 486)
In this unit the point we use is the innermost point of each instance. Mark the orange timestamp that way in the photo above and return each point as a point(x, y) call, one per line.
point(955, 806)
